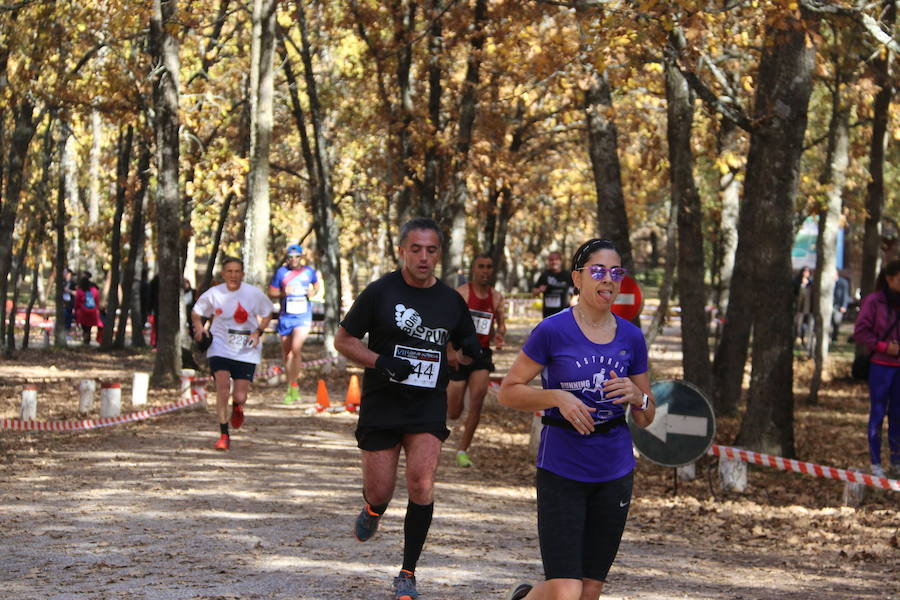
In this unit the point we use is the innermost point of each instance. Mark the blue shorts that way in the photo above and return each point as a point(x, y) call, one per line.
point(287, 323)
point(235, 368)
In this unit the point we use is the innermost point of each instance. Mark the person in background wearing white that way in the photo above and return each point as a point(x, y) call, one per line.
point(240, 314)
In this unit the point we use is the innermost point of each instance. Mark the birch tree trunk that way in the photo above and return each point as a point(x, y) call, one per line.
point(164, 51)
point(834, 178)
point(256, 228)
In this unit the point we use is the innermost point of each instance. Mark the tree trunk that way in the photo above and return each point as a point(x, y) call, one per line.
point(834, 178)
point(691, 271)
point(453, 206)
point(324, 207)
point(164, 51)
point(18, 153)
point(93, 194)
point(131, 301)
point(16, 275)
point(602, 139)
point(217, 243)
point(668, 283)
point(115, 264)
point(433, 158)
point(881, 68)
point(256, 228)
point(763, 263)
point(730, 195)
point(59, 224)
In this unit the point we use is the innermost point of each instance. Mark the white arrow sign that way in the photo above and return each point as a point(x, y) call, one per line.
point(664, 424)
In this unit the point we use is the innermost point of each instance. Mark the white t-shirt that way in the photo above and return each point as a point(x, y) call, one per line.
point(234, 317)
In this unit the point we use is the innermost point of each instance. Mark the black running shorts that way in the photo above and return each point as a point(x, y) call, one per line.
point(486, 362)
point(580, 524)
point(236, 368)
point(374, 439)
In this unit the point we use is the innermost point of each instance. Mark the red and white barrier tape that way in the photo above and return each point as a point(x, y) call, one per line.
point(84, 424)
point(789, 464)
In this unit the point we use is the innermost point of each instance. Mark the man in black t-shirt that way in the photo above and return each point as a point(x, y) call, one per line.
point(409, 316)
point(555, 285)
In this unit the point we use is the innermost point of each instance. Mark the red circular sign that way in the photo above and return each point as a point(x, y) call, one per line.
point(629, 302)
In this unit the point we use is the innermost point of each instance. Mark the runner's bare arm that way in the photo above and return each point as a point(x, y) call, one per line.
point(500, 315)
point(274, 292)
point(198, 326)
point(256, 335)
point(516, 393)
point(354, 349)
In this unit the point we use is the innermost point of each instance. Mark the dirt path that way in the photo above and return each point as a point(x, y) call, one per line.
point(149, 510)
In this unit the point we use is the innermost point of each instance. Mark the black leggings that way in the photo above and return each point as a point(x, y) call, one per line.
point(580, 524)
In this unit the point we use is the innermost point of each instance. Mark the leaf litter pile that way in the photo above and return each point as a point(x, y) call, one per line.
point(149, 510)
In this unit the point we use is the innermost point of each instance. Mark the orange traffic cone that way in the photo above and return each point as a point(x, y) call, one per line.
point(352, 394)
point(322, 401)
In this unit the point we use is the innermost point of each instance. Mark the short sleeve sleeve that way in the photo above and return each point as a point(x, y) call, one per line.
point(276, 279)
point(465, 327)
point(537, 346)
point(639, 364)
point(358, 319)
point(203, 305)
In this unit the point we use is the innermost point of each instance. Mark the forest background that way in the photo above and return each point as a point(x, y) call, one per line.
point(696, 135)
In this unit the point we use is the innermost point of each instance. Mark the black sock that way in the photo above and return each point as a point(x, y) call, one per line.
point(415, 530)
point(223, 427)
point(379, 509)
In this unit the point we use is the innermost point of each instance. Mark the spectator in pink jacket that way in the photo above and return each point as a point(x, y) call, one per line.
point(87, 307)
point(877, 328)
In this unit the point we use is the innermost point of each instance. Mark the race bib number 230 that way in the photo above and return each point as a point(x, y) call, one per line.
point(426, 365)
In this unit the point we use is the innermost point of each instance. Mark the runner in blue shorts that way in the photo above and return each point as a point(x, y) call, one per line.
point(293, 284)
point(593, 365)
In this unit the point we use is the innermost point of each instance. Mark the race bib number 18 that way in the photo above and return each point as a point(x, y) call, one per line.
point(426, 365)
point(482, 321)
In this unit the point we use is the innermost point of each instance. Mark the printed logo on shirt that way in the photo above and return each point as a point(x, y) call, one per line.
point(410, 321)
point(591, 389)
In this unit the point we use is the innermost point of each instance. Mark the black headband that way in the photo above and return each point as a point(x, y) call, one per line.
point(588, 248)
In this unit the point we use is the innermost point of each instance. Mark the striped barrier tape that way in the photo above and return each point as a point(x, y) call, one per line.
point(789, 464)
point(85, 424)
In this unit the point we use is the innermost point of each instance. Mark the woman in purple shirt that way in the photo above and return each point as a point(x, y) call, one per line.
point(878, 329)
point(593, 365)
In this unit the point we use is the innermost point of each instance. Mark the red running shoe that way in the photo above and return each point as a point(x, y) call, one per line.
point(237, 415)
point(224, 442)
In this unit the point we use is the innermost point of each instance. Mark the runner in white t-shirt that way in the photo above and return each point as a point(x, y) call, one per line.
point(239, 314)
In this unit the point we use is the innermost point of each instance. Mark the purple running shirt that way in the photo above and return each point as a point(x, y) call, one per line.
point(574, 363)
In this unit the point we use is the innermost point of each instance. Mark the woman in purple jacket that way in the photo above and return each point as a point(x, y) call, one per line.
point(593, 367)
point(878, 329)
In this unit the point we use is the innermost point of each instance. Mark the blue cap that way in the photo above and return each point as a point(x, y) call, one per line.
point(295, 248)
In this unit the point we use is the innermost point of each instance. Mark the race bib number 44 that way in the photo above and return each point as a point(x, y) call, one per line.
point(426, 365)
